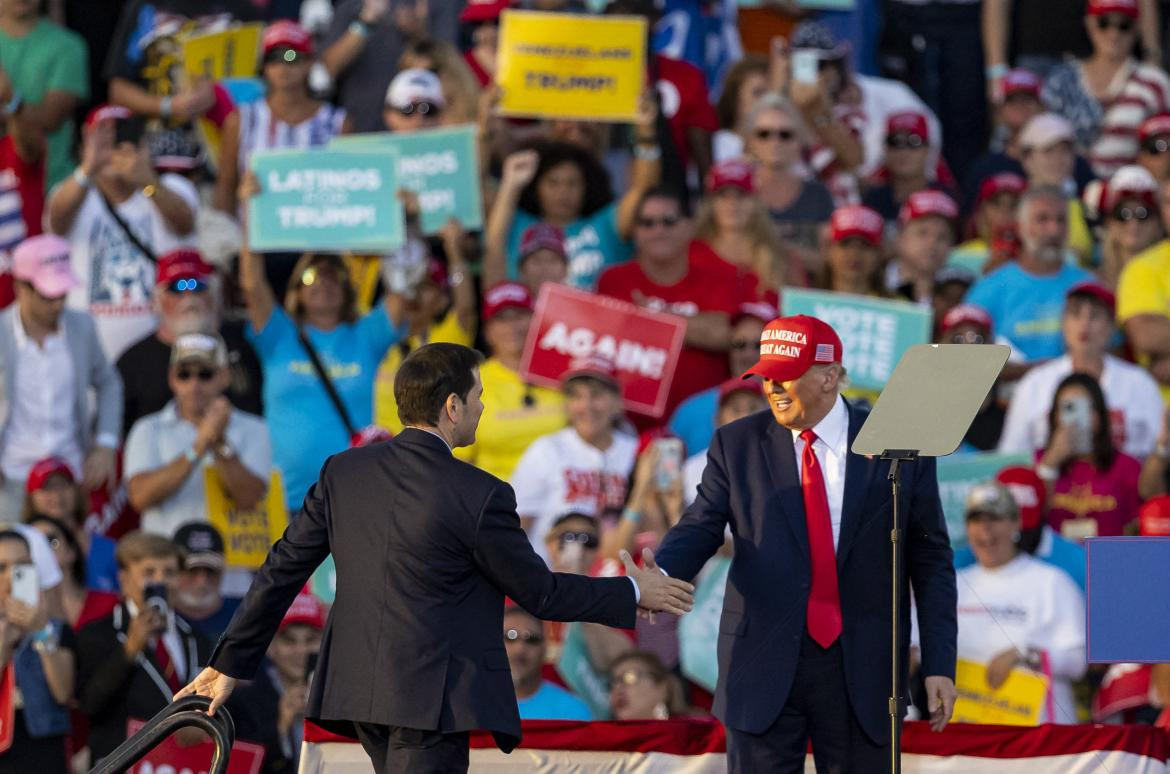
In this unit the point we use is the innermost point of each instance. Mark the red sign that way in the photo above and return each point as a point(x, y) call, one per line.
point(7, 707)
point(171, 758)
point(571, 323)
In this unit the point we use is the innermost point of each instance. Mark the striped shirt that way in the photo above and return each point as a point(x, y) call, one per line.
point(260, 131)
point(1108, 128)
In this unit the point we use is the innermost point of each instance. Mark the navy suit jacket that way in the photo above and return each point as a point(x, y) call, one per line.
point(752, 484)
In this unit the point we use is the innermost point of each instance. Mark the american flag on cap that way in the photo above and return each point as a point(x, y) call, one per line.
point(824, 354)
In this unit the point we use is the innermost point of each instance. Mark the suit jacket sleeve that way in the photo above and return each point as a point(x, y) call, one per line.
point(103, 668)
point(932, 573)
point(107, 382)
point(700, 532)
point(504, 555)
point(290, 562)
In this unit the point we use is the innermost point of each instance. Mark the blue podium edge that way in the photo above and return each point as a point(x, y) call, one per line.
point(1089, 544)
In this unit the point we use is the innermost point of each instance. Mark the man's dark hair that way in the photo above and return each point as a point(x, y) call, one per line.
point(428, 376)
point(670, 193)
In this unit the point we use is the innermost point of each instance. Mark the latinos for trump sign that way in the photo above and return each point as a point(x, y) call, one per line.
point(875, 333)
point(325, 200)
point(441, 166)
point(643, 345)
point(571, 66)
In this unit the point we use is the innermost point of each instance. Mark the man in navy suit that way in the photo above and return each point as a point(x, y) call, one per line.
point(804, 640)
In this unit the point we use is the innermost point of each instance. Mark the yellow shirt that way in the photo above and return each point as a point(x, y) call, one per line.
point(1080, 239)
point(507, 426)
point(1144, 288)
point(446, 331)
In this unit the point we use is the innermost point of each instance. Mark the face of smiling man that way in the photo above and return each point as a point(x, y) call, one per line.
point(800, 364)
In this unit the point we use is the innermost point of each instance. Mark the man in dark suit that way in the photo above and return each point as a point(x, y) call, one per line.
point(426, 547)
point(804, 640)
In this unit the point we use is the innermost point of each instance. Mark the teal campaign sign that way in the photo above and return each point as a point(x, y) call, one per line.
point(325, 200)
point(698, 630)
point(441, 166)
point(874, 332)
point(957, 473)
point(578, 672)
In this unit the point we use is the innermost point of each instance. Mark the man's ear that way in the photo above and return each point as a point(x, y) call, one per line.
point(451, 407)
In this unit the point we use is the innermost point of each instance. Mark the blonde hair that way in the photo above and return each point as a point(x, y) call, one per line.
point(770, 262)
point(138, 545)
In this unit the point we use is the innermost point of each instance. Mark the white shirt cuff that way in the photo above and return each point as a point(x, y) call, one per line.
point(637, 591)
point(107, 440)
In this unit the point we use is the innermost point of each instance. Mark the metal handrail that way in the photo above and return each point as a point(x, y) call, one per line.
point(188, 711)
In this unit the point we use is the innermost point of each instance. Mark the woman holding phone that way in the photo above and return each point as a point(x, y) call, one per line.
point(1093, 487)
point(40, 652)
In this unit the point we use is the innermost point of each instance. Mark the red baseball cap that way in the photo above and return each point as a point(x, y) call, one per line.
point(437, 273)
point(928, 203)
point(733, 385)
point(761, 310)
point(856, 220)
point(967, 314)
point(1021, 81)
point(1029, 492)
point(1154, 126)
point(1154, 517)
point(1004, 182)
point(908, 122)
point(1097, 292)
point(1130, 182)
point(483, 10)
point(594, 366)
point(731, 172)
point(43, 470)
point(1100, 7)
point(789, 346)
point(305, 609)
point(505, 295)
point(542, 236)
point(182, 263)
point(287, 34)
point(106, 113)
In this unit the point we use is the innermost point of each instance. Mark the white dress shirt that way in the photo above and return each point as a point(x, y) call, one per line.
point(831, 446)
point(170, 639)
point(41, 422)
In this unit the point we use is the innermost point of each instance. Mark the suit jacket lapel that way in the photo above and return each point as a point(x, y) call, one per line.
point(859, 473)
point(780, 457)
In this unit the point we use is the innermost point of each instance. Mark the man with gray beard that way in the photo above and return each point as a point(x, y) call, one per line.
point(185, 301)
point(1025, 298)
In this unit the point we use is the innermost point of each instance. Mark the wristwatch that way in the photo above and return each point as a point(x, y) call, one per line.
point(359, 28)
point(81, 178)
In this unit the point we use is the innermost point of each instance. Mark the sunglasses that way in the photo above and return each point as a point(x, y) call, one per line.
point(666, 221)
point(315, 273)
point(784, 135)
point(284, 56)
point(528, 638)
point(745, 344)
point(187, 285)
point(904, 141)
point(1126, 214)
point(422, 108)
point(627, 677)
point(1156, 147)
point(588, 539)
point(1119, 23)
point(203, 374)
point(967, 338)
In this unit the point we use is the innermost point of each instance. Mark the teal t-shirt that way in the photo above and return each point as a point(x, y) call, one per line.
point(592, 243)
point(49, 58)
point(552, 702)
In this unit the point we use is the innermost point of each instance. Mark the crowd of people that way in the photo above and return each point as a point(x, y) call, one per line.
point(1013, 183)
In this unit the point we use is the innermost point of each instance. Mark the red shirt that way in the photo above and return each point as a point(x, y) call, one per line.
point(710, 285)
point(682, 92)
point(22, 202)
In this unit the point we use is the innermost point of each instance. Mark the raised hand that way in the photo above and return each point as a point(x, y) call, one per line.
point(659, 593)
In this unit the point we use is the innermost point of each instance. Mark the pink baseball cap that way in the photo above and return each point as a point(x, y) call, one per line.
point(789, 346)
point(43, 262)
point(856, 220)
point(505, 295)
point(927, 203)
point(908, 122)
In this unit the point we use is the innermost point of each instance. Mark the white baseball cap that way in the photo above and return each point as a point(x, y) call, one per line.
point(412, 86)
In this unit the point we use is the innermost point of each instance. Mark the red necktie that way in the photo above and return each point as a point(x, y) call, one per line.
point(165, 664)
point(824, 601)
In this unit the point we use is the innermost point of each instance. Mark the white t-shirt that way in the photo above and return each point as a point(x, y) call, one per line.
point(159, 438)
point(559, 473)
point(1024, 604)
point(693, 475)
point(1132, 395)
point(116, 281)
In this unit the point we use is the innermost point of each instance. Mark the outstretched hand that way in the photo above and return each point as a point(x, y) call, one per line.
point(659, 593)
point(210, 683)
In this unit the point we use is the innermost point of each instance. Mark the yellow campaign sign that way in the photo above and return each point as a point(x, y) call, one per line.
point(1018, 702)
point(569, 66)
point(232, 53)
point(247, 533)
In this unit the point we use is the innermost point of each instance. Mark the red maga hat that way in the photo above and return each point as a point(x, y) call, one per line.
point(595, 366)
point(736, 173)
point(967, 314)
point(856, 220)
point(1097, 292)
point(1101, 7)
point(182, 263)
point(306, 609)
point(789, 346)
point(1154, 126)
point(1004, 182)
point(505, 295)
point(927, 203)
point(908, 122)
point(1021, 81)
point(45, 469)
point(1029, 492)
point(287, 34)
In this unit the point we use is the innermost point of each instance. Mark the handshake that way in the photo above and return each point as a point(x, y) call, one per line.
point(657, 591)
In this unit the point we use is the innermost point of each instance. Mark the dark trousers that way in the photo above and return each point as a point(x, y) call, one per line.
point(818, 708)
point(394, 749)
